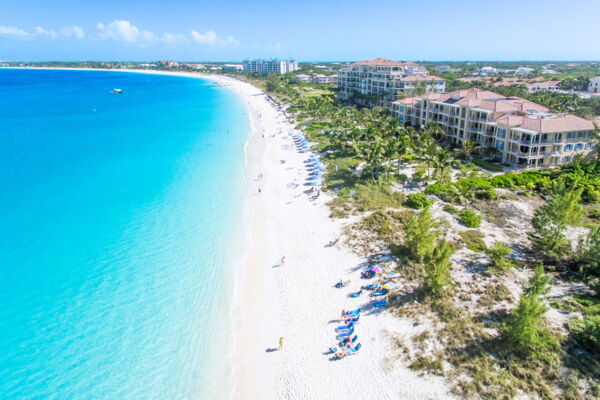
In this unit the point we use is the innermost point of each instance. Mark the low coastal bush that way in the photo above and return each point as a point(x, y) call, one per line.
point(444, 192)
point(418, 175)
point(470, 219)
point(417, 201)
point(487, 165)
point(473, 240)
point(498, 254)
point(450, 209)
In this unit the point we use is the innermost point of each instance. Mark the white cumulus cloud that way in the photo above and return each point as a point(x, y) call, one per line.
point(118, 30)
point(13, 32)
point(211, 38)
point(39, 31)
point(74, 31)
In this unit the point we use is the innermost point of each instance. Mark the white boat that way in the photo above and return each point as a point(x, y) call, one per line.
point(117, 91)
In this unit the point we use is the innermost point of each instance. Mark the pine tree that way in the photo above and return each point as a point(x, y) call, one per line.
point(525, 329)
point(421, 235)
point(552, 220)
point(437, 268)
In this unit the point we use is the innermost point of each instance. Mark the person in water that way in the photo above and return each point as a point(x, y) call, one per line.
point(281, 343)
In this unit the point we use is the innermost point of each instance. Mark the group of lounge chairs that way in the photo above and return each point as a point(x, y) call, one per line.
point(313, 165)
point(347, 344)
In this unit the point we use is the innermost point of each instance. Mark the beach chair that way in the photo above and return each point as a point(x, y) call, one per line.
point(353, 350)
point(380, 303)
point(345, 334)
point(343, 344)
point(353, 319)
point(346, 327)
point(353, 312)
point(356, 294)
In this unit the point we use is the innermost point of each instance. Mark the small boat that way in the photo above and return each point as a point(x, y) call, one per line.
point(116, 91)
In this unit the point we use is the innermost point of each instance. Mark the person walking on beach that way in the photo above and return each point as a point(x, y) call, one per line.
point(259, 191)
point(282, 260)
point(281, 343)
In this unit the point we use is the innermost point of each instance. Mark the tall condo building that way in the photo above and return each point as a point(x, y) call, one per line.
point(267, 67)
point(379, 82)
point(519, 132)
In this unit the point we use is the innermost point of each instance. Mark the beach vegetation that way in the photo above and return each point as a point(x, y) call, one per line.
point(417, 201)
point(473, 240)
point(421, 235)
point(551, 221)
point(437, 269)
point(470, 218)
point(498, 255)
point(525, 329)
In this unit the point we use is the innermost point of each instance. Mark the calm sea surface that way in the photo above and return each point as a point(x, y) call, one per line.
point(117, 213)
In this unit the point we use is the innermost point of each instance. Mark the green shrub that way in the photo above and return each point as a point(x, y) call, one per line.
point(470, 219)
point(498, 256)
point(488, 165)
point(417, 201)
point(418, 175)
point(473, 240)
point(591, 196)
point(402, 178)
point(450, 209)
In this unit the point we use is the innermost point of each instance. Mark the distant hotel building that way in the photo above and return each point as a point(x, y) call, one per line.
point(267, 67)
point(233, 68)
point(550, 86)
point(381, 81)
point(521, 133)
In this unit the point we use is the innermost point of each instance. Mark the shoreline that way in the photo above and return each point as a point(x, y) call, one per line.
point(297, 300)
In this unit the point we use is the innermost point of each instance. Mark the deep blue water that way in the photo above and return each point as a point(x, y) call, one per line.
point(116, 219)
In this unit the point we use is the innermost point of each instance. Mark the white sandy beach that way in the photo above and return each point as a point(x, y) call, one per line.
point(298, 300)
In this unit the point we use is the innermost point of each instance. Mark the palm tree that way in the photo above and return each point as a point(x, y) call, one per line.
point(373, 155)
point(429, 156)
point(389, 151)
point(469, 146)
point(441, 162)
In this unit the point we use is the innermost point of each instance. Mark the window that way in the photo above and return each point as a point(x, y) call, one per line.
point(501, 133)
point(558, 136)
point(566, 159)
point(590, 134)
point(588, 146)
point(568, 147)
point(580, 134)
point(500, 145)
point(579, 146)
point(570, 135)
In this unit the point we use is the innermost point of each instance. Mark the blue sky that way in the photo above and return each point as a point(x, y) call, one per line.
point(305, 30)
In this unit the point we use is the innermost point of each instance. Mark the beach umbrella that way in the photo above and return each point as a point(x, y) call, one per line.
point(312, 178)
point(389, 286)
point(376, 268)
point(315, 183)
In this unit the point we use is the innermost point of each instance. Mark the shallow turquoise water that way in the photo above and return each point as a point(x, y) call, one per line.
point(117, 213)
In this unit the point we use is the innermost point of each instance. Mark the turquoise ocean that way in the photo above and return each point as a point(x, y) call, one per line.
point(119, 218)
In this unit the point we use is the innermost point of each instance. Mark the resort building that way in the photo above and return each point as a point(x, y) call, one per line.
point(233, 67)
point(325, 79)
point(516, 131)
point(524, 71)
point(594, 85)
point(266, 67)
point(549, 86)
point(381, 81)
point(302, 78)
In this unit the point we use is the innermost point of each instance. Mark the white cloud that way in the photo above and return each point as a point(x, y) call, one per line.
point(12, 32)
point(170, 38)
point(39, 31)
point(211, 38)
point(75, 31)
point(120, 30)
